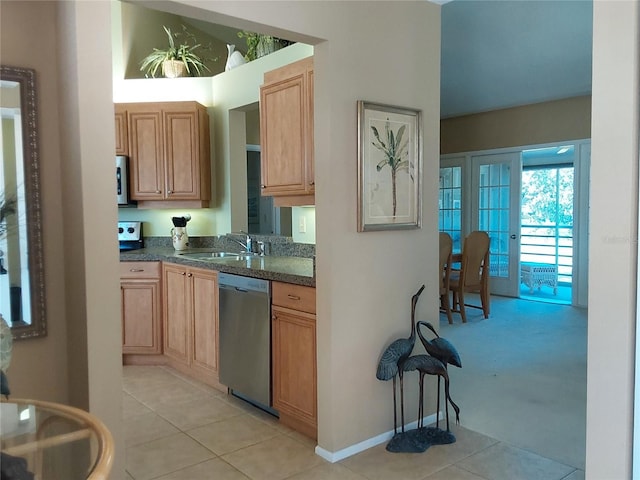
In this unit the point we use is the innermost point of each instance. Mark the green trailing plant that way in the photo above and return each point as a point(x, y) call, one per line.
point(395, 153)
point(259, 45)
point(182, 47)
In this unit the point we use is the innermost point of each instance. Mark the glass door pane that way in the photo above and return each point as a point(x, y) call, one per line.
point(450, 204)
point(495, 210)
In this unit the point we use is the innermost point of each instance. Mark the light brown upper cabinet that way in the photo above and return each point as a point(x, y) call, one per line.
point(286, 134)
point(170, 164)
point(122, 138)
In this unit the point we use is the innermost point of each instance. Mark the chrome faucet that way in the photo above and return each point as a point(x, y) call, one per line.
point(248, 246)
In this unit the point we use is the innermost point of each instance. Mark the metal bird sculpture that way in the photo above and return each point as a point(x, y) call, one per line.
point(390, 364)
point(428, 365)
point(441, 349)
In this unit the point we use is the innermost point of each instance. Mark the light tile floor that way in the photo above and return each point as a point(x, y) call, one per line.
point(179, 429)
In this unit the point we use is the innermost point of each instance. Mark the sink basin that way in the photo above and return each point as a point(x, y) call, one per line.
point(211, 256)
point(224, 254)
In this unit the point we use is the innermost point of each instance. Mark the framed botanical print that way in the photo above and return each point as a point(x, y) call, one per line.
point(389, 167)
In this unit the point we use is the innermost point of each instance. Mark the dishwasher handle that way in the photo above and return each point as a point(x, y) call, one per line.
point(230, 289)
point(234, 288)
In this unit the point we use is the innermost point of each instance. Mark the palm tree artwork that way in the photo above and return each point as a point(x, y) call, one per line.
point(394, 147)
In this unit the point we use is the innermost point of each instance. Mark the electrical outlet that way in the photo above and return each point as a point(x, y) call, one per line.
point(302, 225)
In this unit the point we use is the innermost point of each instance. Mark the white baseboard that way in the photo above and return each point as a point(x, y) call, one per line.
point(334, 457)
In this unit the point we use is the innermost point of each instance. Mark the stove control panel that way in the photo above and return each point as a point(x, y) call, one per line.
point(130, 235)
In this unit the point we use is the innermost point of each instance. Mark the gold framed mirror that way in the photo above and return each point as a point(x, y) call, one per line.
point(22, 291)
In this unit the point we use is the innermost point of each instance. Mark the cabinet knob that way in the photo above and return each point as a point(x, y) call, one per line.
point(312, 183)
point(190, 275)
point(183, 273)
point(169, 192)
point(293, 297)
point(158, 191)
point(263, 186)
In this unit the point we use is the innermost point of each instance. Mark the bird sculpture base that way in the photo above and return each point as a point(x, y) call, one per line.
point(419, 440)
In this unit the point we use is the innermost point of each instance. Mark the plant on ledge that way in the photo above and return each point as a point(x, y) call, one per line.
point(179, 59)
point(259, 45)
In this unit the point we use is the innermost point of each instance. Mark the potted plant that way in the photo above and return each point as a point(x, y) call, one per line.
point(259, 45)
point(179, 59)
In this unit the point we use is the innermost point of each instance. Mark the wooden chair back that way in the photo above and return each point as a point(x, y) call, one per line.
point(475, 259)
point(473, 275)
point(446, 248)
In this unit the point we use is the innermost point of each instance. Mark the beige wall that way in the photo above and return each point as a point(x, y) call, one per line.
point(568, 119)
point(91, 255)
point(39, 367)
point(78, 362)
point(613, 243)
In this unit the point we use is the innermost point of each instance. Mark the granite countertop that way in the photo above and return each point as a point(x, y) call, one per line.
point(296, 270)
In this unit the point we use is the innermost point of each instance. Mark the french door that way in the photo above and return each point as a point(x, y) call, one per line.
point(495, 209)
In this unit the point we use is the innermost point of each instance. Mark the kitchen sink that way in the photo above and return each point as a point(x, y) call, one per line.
point(211, 256)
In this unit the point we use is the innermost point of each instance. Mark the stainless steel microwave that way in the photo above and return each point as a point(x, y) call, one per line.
point(122, 179)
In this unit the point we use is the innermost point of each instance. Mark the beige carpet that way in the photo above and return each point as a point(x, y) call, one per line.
point(524, 375)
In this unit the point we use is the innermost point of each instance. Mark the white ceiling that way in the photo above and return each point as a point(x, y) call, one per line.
point(505, 53)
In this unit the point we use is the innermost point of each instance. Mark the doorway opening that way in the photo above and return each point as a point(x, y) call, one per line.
point(546, 224)
point(531, 201)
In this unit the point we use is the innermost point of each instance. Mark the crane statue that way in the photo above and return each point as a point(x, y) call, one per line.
point(390, 364)
point(428, 365)
point(444, 351)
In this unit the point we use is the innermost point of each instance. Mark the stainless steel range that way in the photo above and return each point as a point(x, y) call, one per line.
point(130, 235)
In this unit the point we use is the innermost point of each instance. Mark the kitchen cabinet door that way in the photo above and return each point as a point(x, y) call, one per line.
point(286, 133)
point(146, 166)
point(184, 177)
point(141, 308)
point(177, 313)
point(141, 330)
point(293, 336)
point(122, 137)
point(204, 289)
point(191, 321)
point(294, 368)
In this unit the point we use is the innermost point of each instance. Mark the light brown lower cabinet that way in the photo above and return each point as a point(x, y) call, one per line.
point(190, 301)
point(141, 308)
point(294, 356)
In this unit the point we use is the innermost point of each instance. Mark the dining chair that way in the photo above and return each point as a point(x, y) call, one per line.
point(473, 275)
point(446, 247)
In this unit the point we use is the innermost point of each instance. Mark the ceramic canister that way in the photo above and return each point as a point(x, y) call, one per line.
point(179, 238)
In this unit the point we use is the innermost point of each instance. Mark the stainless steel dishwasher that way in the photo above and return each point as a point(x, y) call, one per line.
point(245, 338)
